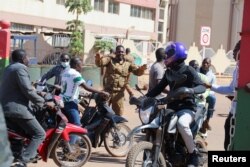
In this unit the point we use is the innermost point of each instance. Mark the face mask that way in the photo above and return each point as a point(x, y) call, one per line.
point(65, 64)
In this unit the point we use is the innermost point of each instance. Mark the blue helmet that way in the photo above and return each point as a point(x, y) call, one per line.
point(175, 51)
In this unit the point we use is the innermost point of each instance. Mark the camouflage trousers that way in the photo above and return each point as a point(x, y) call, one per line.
point(117, 102)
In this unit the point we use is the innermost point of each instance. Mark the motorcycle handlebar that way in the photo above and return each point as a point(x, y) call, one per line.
point(177, 94)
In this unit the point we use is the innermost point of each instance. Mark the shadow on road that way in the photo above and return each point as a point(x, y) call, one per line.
point(222, 115)
point(106, 158)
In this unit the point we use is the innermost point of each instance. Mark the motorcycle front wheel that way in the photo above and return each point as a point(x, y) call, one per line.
point(141, 155)
point(201, 145)
point(116, 142)
point(79, 155)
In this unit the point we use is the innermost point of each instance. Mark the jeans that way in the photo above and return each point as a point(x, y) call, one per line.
point(72, 113)
point(32, 128)
point(185, 118)
point(5, 152)
point(211, 100)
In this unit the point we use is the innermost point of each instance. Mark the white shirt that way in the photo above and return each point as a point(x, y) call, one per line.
point(71, 79)
point(156, 73)
point(230, 89)
point(211, 79)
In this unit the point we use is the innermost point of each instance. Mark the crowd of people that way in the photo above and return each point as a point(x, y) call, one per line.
point(16, 92)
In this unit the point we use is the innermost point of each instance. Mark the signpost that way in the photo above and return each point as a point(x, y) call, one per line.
point(205, 38)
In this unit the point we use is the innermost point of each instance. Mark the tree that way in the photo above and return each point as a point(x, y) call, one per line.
point(77, 7)
point(102, 45)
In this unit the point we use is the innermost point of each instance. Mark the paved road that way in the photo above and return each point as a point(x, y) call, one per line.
point(215, 138)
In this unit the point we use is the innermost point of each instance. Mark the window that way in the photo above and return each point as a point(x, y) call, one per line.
point(160, 26)
point(146, 13)
point(22, 27)
point(161, 15)
point(160, 37)
point(60, 40)
point(60, 2)
point(113, 7)
point(135, 11)
point(99, 5)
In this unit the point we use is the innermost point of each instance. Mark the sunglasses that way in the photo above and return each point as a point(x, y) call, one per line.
point(64, 60)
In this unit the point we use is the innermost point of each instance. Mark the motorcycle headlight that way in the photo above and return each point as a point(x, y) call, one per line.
point(145, 114)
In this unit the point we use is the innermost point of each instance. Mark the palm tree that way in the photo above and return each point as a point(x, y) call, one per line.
point(77, 7)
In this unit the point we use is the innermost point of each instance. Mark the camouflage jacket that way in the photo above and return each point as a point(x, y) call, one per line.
point(117, 73)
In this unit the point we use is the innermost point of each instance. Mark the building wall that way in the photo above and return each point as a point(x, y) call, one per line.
point(122, 21)
point(144, 3)
point(223, 16)
point(43, 10)
point(50, 14)
point(46, 16)
point(186, 21)
point(225, 19)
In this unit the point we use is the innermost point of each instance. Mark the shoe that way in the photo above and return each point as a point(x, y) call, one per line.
point(193, 159)
point(35, 159)
point(204, 135)
point(18, 163)
point(206, 125)
point(203, 129)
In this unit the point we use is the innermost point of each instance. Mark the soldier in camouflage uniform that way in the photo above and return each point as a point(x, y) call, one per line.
point(117, 72)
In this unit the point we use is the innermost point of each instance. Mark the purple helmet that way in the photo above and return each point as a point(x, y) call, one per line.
point(175, 51)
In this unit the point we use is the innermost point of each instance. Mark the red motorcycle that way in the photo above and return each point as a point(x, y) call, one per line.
point(58, 133)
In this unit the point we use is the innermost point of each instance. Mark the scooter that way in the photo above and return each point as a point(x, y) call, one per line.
point(58, 133)
point(105, 126)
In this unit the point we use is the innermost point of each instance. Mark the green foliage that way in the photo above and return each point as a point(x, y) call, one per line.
point(102, 46)
point(76, 43)
point(77, 7)
point(74, 25)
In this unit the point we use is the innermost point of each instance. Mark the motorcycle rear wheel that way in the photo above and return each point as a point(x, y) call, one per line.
point(116, 142)
point(80, 155)
point(141, 155)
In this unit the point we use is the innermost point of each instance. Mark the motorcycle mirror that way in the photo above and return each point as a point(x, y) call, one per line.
point(138, 89)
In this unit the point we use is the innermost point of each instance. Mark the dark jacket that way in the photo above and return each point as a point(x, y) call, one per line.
point(192, 81)
point(16, 91)
point(56, 72)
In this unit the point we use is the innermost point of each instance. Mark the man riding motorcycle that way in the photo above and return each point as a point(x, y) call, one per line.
point(15, 93)
point(176, 53)
point(57, 70)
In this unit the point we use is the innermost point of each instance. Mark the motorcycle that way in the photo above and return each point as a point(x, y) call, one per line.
point(58, 133)
point(105, 126)
point(164, 145)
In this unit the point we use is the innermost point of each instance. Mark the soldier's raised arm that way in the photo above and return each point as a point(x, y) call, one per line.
point(138, 70)
point(102, 61)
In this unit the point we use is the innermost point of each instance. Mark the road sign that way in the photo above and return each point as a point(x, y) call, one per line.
point(205, 36)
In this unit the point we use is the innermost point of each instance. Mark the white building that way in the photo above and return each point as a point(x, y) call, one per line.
point(137, 20)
